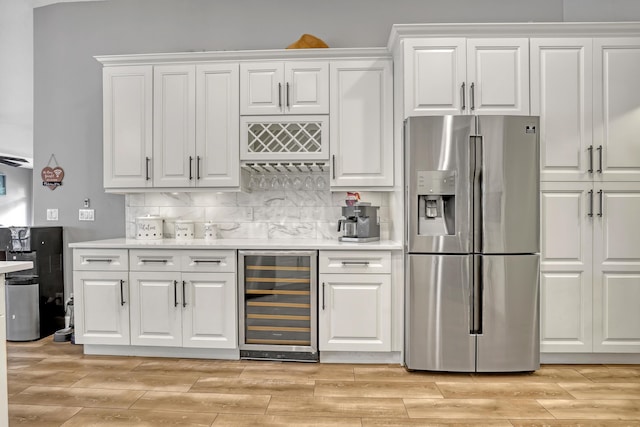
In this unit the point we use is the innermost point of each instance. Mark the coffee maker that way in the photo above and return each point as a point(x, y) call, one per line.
point(359, 223)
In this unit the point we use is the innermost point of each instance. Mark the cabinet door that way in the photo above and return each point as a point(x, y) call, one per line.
point(561, 95)
point(616, 112)
point(174, 103)
point(127, 116)
point(155, 309)
point(361, 128)
point(434, 76)
point(616, 288)
point(566, 267)
point(101, 312)
point(209, 310)
point(306, 88)
point(217, 161)
point(498, 76)
point(355, 312)
point(261, 88)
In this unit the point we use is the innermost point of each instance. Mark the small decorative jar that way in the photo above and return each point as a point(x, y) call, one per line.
point(149, 227)
point(183, 229)
point(209, 231)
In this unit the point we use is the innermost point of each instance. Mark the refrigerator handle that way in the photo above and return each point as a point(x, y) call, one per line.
point(476, 189)
point(477, 297)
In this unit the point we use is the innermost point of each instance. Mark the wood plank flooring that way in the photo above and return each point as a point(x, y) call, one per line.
point(54, 384)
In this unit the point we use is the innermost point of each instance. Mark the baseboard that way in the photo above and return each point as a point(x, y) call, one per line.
point(590, 358)
point(190, 353)
point(360, 357)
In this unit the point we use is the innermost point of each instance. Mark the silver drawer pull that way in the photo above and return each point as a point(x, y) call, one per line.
point(109, 260)
point(207, 261)
point(362, 263)
point(163, 261)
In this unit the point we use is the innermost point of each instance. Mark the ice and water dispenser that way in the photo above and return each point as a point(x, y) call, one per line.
point(436, 203)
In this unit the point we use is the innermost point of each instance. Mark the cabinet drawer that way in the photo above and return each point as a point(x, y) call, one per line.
point(154, 260)
point(209, 261)
point(100, 259)
point(355, 262)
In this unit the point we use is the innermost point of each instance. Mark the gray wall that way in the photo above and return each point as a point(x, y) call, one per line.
point(15, 206)
point(67, 80)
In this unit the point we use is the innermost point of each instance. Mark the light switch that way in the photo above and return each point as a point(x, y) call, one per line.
point(52, 214)
point(86, 214)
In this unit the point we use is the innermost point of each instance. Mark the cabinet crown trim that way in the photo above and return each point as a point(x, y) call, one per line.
point(243, 55)
point(522, 29)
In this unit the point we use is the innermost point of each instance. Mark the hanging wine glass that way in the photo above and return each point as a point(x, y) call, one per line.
point(287, 184)
point(308, 183)
point(297, 183)
point(262, 183)
point(321, 184)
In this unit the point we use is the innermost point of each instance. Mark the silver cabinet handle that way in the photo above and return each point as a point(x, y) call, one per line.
point(279, 95)
point(590, 150)
point(590, 214)
point(472, 95)
point(362, 263)
point(600, 196)
point(288, 104)
point(109, 260)
point(333, 166)
point(207, 261)
point(323, 306)
point(464, 97)
point(175, 293)
point(599, 158)
point(122, 292)
point(184, 294)
point(163, 261)
point(190, 168)
point(146, 165)
point(198, 167)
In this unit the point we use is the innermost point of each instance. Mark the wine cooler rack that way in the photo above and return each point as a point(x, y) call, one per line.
point(278, 305)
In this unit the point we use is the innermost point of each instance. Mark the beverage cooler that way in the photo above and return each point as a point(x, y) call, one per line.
point(278, 305)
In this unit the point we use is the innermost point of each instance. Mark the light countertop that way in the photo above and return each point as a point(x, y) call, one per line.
point(11, 266)
point(276, 244)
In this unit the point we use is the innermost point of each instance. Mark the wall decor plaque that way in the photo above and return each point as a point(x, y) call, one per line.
point(52, 176)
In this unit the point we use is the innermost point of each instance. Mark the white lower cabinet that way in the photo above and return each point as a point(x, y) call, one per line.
point(183, 298)
point(156, 298)
point(355, 301)
point(101, 295)
point(590, 264)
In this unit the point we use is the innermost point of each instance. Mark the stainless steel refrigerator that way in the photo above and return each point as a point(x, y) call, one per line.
point(472, 255)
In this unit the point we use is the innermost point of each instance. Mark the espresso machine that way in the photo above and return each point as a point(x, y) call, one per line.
point(359, 223)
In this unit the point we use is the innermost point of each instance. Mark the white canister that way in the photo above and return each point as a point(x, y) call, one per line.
point(209, 231)
point(184, 229)
point(149, 227)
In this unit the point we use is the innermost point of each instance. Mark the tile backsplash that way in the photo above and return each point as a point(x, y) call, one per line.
point(261, 214)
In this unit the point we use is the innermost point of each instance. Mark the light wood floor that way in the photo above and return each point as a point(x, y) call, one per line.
point(54, 384)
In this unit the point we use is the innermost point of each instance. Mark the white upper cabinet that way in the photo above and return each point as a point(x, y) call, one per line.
point(498, 76)
point(127, 121)
point(466, 76)
point(616, 112)
point(293, 87)
point(196, 119)
point(434, 76)
point(361, 124)
point(561, 94)
point(174, 125)
point(217, 125)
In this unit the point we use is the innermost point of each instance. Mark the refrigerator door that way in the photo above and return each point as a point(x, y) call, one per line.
point(509, 337)
point(438, 318)
point(508, 202)
point(438, 187)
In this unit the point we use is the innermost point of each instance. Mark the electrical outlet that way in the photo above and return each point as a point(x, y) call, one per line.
point(86, 214)
point(52, 214)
